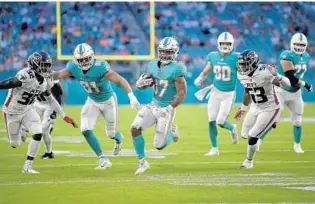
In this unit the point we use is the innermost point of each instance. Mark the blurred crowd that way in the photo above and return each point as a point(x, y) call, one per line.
point(118, 28)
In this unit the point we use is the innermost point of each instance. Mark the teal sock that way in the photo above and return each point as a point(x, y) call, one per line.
point(93, 141)
point(118, 137)
point(213, 132)
point(138, 143)
point(227, 125)
point(297, 133)
point(169, 138)
point(263, 135)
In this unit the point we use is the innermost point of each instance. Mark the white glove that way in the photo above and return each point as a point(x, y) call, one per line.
point(165, 112)
point(143, 81)
point(134, 103)
point(198, 81)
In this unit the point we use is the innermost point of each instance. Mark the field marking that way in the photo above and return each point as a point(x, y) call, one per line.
point(165, 163)
point(258, 179)
point(306, 188)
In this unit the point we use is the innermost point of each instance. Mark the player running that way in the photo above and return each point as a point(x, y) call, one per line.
point(293, 64)
point(19, 108)
point(258, 80)
point(48, 115)
point(221, 100)
point(168, 78)
point(95, 77)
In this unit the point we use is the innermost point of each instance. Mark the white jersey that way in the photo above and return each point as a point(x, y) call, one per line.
point(260, 88)
point(41, 99)
point(21, 99)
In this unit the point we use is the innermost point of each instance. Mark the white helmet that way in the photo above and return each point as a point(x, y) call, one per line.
point(84, 56)
point(298, 43)
point(225, 42)
point(168, 50)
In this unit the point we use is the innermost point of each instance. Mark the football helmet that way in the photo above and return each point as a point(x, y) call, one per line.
point(167, 50)
point(247, 62)
point(298, 43)
point(225, 42)
point(84, 56)
point(40, 63)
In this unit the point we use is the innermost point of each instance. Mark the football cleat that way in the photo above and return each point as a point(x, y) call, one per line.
point(28, 169)
point(103, 163)
point(117, 148)
point(174, 130)
point(214, 151)
point(143, 166)
point(48, 155)
point(298, 149)
point(234, 135)
point(247, 164)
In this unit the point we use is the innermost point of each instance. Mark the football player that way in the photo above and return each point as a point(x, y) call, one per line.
point(18, 107)
point(96, 76)
point(221, 100)
point(258, 81)
point(48, 115)
point(168, 79)
point(293, 64)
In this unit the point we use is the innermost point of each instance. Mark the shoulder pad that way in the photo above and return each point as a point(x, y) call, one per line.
point(25, 75)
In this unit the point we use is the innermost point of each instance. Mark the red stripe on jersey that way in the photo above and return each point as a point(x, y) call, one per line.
point(9, 99)
point(270, 121)
point(275, 96)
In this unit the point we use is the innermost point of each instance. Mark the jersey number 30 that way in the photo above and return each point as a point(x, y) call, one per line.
point(90, 86)
point(257, 94)
point(222, 72)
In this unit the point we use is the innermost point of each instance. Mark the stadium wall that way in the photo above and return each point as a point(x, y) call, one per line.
point(75, 94)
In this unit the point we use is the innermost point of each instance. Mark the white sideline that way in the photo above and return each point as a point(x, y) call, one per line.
point(169, 163)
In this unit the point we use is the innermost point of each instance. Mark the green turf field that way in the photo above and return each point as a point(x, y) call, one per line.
point(178, 174)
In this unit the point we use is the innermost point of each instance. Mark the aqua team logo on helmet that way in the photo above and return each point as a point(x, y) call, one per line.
point(84, 56)
point(168, 50)
point(298, 43)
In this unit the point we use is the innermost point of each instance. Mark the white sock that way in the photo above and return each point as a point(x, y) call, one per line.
point(48, 142)
point(33, 148)
point(251, 150)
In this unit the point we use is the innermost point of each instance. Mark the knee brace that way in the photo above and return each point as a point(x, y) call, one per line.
point(37, 137)
point(252, 140)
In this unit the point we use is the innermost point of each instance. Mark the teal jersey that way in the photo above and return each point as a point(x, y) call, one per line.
point(299, 62)
point(165, 90)
point(98, 88)
point(224, 69)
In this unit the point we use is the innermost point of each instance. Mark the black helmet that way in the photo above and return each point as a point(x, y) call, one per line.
point(41, 63)
point(247, 62)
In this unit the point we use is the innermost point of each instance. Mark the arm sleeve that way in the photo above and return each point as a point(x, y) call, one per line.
point(54, 104)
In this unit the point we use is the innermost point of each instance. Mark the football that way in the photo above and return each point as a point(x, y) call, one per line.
point(147, 77)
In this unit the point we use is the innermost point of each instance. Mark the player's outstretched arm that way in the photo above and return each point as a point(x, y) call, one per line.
point(116, 78)
point(53, 102)
point(289, 71)
point(203, 75)
point(62, 74)
point(181, 88)
point(10, 83)
point(241, 111)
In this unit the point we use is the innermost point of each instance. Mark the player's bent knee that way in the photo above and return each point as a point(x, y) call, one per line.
point(252, 140)
point(135, 131)
point(37, 137)
point(14, 144)
point(111, 134)
point(297, 123)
